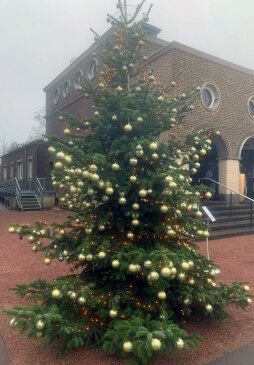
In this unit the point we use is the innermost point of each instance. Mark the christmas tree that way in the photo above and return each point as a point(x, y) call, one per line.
point(135, 270)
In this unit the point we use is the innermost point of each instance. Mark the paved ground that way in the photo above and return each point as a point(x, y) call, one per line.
point(4, 358)
point(2, 207)
point(243, 356)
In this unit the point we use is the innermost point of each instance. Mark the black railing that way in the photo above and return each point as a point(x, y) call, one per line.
point(231, 198)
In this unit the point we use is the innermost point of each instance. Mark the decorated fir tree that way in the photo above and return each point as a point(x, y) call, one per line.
point(135, 271)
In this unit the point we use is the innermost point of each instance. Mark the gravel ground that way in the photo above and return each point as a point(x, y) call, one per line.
point(20, 265)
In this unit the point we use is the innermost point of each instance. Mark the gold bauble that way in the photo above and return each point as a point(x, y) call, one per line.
point(101, 255)
point(127, 346)
point(81, 300)
point(164, 209)
point(185, 266)
point(11, 229)
point(47, 261)
point(67, 159)
point(153, 146)
point(93, 168)
point(165, 272)
point(135, 222)
point(133, 179)
point(115, 264)
point(156, 344)
point(198, 214)
point(67, 131)
point(56, 294)
point(130, 235)
point(209, 308)
point(122, 201)
point(181, 276)
point(148, 264)
point(81, 257)
point(246, 288)
point(60, 155)
point(58, 165)
point(196, 157)
point(109, 191)
point(115, 167)
point(142, 193)
point(89, 257)
point(113, 313)
point(154, 276)
point(208, 195)
point(179, 344)
point(94, 177)
point(128, 128)
point(202, 152)
point(40, 325)
point(161, 295)
point(133, 161)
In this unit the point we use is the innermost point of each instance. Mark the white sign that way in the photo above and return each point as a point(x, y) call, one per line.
point(208, 213)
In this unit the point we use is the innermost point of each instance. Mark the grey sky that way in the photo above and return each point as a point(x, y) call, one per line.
point(38, 38)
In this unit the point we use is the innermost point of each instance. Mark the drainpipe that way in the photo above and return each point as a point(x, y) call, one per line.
point(25, 167)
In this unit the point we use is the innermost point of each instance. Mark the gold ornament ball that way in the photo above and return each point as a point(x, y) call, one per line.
point(208, 195)
point(153, 146)
point(133, 179)
point(164, 209)
point(185, 266)
point(148, 264)
point(109, 191)
point(89, 257)
point(67, 131)
point(56, 294)
point(198, 214)
point(191, 281)
point(179, 344)
point(135, 206)
point(202, 152)
point(206, 234)
point(187, 301)
point(113, 313)
point(122, 201)
point(40, 325)
point(93, 168)
point(115, 264)
point(88, 230)
point(11, 229)
point(94, 177)
point(47, 261)
point(209, 308)
point(196, 157)
point(161, 295)
point(173, 271)
point(165, 272)
point(130, 235)
point(73, 295)
point(105, 198)
point(115, 167)
point(81, 300)
point(154, 276)
point(193, 170)
point(142, 193)
point(127, 346)
point(114, 117)
point(139, 119)
point(51, 149)
point(249, 301)
point(65, 253)
point(155, 156)
point(128, 128)
point(60, 155)
point(135, 222)
point(191, 264)
point(133, 161)
point(101, 255)
point(181, 276)
point(171, 233)
point(246, 288)
point(58, 165)
point(13, 322)
point(132, 268)
point(86, 174)
point(81, 257)
point(156, 344)
point(73, 189)
point(101, 227)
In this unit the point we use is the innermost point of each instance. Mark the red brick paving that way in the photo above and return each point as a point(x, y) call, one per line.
point(20, 265)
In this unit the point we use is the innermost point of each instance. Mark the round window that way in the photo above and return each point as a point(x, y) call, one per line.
point(251, 106)
point(92, 69)
point(66, 88)
point(56, 96)
point(78, 79)
point(210, 96)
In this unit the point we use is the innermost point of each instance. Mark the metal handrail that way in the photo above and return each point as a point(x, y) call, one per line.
point(232, 190)
point(231, 200)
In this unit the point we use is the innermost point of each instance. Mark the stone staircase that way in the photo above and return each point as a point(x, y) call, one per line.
point(229, 224)
point(28, 200)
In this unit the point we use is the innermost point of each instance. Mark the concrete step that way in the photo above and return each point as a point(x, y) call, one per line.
point(230, 225)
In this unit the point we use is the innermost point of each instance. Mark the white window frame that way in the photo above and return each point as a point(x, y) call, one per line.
point(30, 167)
point(20, 169)
point(5, 172)
point(78, 79)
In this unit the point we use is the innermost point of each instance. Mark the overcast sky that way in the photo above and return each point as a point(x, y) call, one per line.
point(38, 39)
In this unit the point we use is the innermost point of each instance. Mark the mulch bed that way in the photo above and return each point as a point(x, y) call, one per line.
point(20, 265)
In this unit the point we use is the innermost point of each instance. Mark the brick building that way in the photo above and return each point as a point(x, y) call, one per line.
point(25, 179)
point(226, 102)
